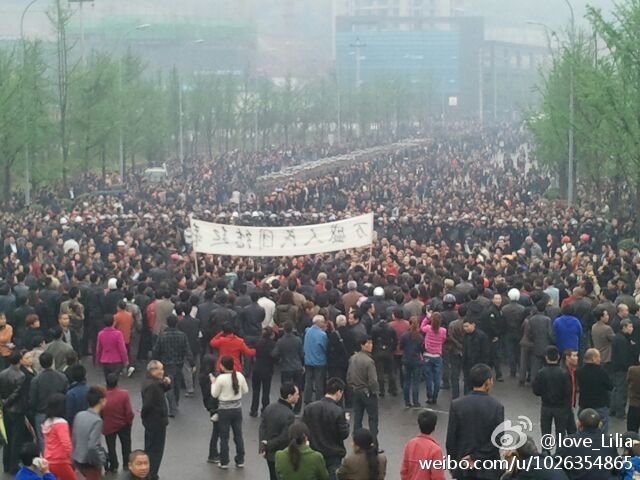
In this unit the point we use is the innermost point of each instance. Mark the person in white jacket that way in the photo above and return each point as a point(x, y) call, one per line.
point(228, 388)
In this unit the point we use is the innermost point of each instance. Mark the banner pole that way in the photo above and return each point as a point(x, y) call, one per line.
point(193, 246)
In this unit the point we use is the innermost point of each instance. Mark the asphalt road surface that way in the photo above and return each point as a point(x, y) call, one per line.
point(186, 451)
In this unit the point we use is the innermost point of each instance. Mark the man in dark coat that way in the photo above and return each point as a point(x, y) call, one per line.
point(475, 349)
point(274, 427)
point(93, 300)
point(155, 414)
point(328, 425)
point(622, 357)
point(589, 442)
point(514, 315)
point(492, 324)
point(595, 386)
point(473, 420)
point(205, 311)
point(553, 384)
point(541, 336)
point(289, 352)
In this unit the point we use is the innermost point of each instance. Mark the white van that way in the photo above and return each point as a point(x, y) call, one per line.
point(156, 174)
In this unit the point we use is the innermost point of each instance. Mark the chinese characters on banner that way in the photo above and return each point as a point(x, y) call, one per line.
point(219, 239)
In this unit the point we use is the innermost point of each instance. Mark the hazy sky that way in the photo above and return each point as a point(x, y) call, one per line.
point(504, 18)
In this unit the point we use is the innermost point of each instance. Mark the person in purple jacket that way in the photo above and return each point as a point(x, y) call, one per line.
point(111, 351)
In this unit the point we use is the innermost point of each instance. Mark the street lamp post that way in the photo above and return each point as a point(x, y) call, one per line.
point(27, 159)
point(180, 128)
point(571, 165)
point(181, 112)
point(571, 173)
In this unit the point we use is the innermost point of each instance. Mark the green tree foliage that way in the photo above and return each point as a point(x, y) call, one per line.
point(606, 72)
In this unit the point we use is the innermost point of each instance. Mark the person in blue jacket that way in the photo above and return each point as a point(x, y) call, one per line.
point(34, 467)
point(567, 331)
point(315, 359)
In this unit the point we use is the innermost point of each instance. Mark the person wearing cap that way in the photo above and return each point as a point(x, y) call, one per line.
point(513, 314)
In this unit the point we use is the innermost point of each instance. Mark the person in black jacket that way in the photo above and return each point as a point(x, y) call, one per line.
point(514, 315)
point(263, 371)
point(622, 357)
point(589, 443)
point(553, 384)
point(475, 350)
point(328, 425)
point(492, 324)
point(251, 318)
point(472, 421)
point(93, 300)
point(155, 414)
point(594, 385)
point(207, 369)
point(274, 427)
point(385, 341)
point(205, 312)
point(337, 358)
point(290, 354)
point(540, 335)
point(191, 328)
point(11, 381)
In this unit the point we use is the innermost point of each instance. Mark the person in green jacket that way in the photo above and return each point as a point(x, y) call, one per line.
point(298, 461)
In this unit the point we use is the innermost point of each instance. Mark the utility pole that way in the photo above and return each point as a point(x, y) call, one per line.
point(81, 15)
point(27, 157)
point(180, 114)
point(571, 173)
point(494, 65)
point(480, 88)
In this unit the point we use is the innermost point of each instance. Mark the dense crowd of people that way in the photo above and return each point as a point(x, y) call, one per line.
point(474, 276)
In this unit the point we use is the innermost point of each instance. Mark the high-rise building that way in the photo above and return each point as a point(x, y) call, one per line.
point(397, 8)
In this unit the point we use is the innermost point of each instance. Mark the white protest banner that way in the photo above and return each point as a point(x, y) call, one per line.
point(235, 240)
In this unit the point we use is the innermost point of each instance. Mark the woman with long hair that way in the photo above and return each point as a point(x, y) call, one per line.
point(434, 337)
point(298, 461)
point(228, 388)
point(57, 439)
point(411, 344)
point(207, 370)
point(286, 310)
point(365, 463)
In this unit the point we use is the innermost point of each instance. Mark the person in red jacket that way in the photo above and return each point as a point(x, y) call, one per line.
point(117, 418)
point(421, 448)
point(228, 343)
point(57, 439)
